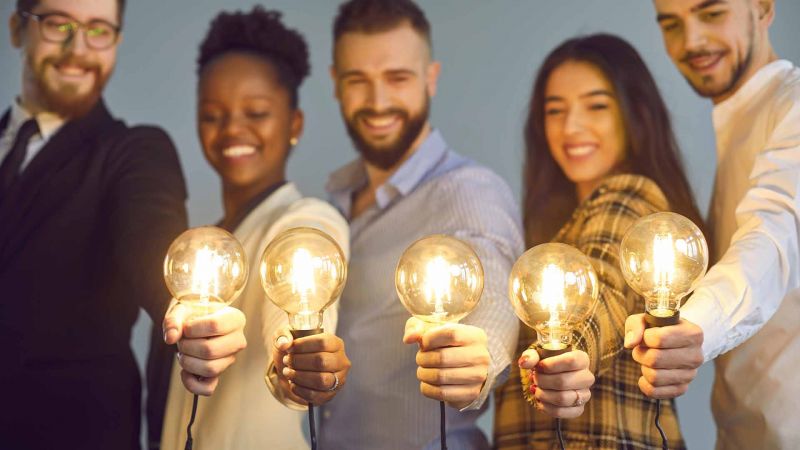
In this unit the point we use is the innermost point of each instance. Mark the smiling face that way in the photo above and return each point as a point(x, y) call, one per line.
point(384, 82)
point(583, 124)
point(716, 44)
point(245, 121)
point(64, 78)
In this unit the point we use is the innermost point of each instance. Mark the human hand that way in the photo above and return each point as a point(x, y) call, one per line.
point(207, 345)
point(560, 384)
point(670, 356)
point(453, 361)
point(310, 369)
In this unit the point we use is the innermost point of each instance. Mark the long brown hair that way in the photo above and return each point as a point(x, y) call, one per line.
point(652, 151)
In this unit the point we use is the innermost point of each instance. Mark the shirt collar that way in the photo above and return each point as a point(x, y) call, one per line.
point(750, 88)
point(48, 123)
point(353, 176)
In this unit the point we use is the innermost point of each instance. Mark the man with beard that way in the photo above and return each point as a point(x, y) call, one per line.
point(746, 309)
point(408, 183)
point(89, 207)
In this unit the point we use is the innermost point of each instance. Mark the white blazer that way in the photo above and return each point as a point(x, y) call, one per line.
point(242, 414)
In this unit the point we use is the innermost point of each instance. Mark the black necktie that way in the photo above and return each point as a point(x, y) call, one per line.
point(9, 170)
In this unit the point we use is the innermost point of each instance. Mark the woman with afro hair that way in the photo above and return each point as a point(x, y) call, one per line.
point(249, 71)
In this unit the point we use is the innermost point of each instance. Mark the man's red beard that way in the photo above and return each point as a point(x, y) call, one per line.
point(65, 102)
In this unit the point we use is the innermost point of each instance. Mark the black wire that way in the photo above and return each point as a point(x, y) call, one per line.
point(312, 427)
point(558, 433)
point(658, 426)
point(189, 441)
point(442, 428)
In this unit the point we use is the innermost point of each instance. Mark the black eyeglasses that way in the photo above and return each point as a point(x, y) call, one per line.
point(59, 28)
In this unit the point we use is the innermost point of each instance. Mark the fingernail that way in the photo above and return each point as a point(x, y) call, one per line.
point(628, 338)
point(522, 360)
point(286, 372)
point(281, 340)
point(179, 355)
point(286, 360)
point(165, 336)
point(532, 389)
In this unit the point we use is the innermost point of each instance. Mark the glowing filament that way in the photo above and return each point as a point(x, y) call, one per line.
point(552, 298)
point(437, 284)
point(663, 267)
point(205, 276)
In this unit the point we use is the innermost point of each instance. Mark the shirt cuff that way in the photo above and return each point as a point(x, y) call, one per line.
point(271, 379)
point(704, 311)
point(492, 378)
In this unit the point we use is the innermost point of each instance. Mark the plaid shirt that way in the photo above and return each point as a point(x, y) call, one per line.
point(618, 415)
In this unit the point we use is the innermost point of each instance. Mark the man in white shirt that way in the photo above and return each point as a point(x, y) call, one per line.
point(747, 307)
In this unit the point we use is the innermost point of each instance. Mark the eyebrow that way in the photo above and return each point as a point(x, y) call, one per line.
point(703, 5)
point(356, 72)
point(596, 92)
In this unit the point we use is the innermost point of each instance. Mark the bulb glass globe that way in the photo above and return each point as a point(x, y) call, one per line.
point(206, 269)
point(662, 257)
point(439, 279)
point(303, 271)
point(553, 287)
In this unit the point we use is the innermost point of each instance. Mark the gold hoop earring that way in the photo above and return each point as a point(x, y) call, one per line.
point(293, 141)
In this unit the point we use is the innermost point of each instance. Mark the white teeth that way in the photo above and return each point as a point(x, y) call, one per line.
point(71, 70)
point(580, 150)
point(238, 150)
point(380, 122)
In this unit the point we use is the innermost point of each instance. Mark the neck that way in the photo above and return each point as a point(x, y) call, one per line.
point(584, 189)
point(236, 198)
point(377, 176)
point(760, 60)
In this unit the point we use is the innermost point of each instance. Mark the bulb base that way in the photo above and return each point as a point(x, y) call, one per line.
point(297, 334)
point(545, 353)
point(654, 321)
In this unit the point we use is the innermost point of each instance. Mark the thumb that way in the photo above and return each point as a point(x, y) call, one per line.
point(415, 328)
point(529, 359)
point(173, 322)
point(282, 339)
point(634, 330)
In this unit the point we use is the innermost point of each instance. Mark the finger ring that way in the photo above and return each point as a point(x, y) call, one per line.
point(578, 399)
point(335, 383)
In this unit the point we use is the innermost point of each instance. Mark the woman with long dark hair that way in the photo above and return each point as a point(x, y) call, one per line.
point(600, 153)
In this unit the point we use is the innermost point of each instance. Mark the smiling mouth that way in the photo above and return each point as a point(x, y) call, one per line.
point(704, 62)
point(381, 123)
point(238, 151)
point(577, 151)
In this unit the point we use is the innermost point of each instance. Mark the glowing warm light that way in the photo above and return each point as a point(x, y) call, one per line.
point(553, 288)
point(662, 257)
point(439, 279)
point(205, 269)
point(303, 272)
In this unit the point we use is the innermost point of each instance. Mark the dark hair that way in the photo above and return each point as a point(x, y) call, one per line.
point(259, 32)
point(28, 5)
point(375, 16)
point(652, 148)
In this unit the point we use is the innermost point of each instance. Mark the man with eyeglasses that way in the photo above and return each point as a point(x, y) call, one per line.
point(88, 208)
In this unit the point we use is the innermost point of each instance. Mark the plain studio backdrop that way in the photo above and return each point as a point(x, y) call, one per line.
point(489, 53)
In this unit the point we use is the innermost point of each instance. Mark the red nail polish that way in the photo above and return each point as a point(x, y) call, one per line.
point(533, 388)
point(522, 360)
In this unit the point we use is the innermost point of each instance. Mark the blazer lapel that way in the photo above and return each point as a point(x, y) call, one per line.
point(28, 201)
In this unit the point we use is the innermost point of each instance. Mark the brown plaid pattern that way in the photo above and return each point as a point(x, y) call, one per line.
point(618, 416)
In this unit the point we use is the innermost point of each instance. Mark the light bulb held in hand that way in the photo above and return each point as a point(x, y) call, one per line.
point(439, 279)
point(553, 288)
point(303, 272)
point(662, 257)
point(205, 269)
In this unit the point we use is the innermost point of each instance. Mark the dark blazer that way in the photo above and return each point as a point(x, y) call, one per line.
point(83, 234)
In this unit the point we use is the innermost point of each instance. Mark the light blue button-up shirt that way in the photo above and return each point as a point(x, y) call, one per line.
point(434, 191)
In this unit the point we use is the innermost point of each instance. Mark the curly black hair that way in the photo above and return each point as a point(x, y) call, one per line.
point(260, 32)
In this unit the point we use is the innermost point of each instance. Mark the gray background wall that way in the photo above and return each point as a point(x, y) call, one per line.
point(489, 53)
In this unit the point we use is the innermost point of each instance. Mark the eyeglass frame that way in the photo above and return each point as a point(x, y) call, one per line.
point(78, 25)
